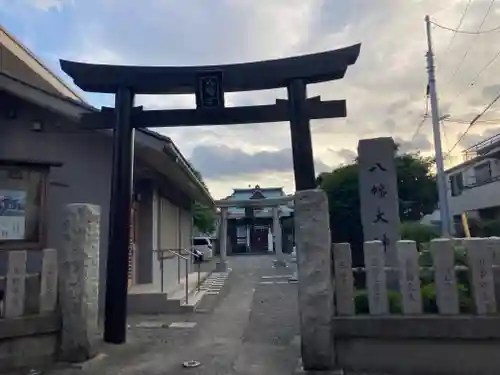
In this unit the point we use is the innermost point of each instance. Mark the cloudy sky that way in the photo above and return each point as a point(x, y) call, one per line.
point(385, 90)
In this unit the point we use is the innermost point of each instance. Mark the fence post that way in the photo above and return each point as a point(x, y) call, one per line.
point(480, 262)
point(376, 278)
point(16, 283)
point(79, 281)
point(344, 279)
point(409, 277)
point(316, 306)
point(445, 279)
point(48, 286)
point(494, 243)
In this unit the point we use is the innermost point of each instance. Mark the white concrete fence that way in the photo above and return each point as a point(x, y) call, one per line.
point(461, 337)
point(14, 300)
point(458, 335)
point(482, 258)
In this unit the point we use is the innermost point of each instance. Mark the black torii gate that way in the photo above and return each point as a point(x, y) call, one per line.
point(208, 83)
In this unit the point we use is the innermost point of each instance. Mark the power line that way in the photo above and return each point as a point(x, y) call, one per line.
point(472, 43)
point(458, 121)
point(444, 134)
point(474, 121)
point(457, 31)
point(464, 13)
point(457, 28)
point(475, 79)
point(426, 116)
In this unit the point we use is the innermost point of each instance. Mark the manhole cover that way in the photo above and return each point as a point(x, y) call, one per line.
point(191, 364)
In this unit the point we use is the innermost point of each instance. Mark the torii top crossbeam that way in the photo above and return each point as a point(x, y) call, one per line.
point(262, 75)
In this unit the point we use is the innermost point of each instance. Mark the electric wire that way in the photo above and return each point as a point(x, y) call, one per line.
point(425, 117)
point(475, 79)
point(456, 31)
point(472, 123)
point(464, 57)
point(459, 121)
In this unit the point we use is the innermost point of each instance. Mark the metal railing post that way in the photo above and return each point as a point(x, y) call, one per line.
point(162, 270)
point(199, 286)
point(179, 269)
point(187, 288)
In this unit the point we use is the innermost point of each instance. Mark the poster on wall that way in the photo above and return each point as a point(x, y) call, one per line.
point(12, 214)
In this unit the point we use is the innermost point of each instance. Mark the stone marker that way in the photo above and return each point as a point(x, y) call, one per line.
point(16, 284)
point(376, 280)
point(445, 279)
point(48, 286)
point(316, 308)
point(344, 280)
point(494, 243)
point(480, 261)
point(378, 191)
point(78, 281)
point(409, 277)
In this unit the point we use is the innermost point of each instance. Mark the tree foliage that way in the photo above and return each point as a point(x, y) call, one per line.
point(203, 217)
point(417, 197)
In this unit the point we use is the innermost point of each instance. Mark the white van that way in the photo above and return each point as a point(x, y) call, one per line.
point(204, 245)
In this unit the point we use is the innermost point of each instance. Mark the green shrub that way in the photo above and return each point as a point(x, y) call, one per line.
point(362, 306)
point(420, 233)
point(428, 300)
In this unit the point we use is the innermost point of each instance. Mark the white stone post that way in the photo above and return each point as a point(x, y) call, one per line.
point(480, 261)
point(376, 278)
point(79, 281)
point(16, 283)
point(316, 305)
point(221, 266)
point(409, 277)
point(48, 284)
point(445, 278)
point(278, 240)
point(270, 242)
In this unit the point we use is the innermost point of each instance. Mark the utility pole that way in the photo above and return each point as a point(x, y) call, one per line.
point(441, 178)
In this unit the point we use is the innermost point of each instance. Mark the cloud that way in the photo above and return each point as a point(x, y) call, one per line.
point(47, 5)
point(346, 155)
point(419, 143)
point(474, 138)
point(385, 90)
point(222, 161)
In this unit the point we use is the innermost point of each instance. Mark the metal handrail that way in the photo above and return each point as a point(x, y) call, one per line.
point(179, 257)
point(198, 285)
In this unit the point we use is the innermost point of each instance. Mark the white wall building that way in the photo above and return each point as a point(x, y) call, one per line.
point(474, 185)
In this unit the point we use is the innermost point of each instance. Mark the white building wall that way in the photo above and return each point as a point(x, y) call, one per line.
point(169, 234)
point(475, 197)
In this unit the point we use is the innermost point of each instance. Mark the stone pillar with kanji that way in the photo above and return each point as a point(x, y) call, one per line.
point(378, 191)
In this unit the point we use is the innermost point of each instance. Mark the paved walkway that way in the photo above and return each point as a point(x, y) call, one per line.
point(249, 328)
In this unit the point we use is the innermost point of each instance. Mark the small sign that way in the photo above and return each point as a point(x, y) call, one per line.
point(12, 214)
point(209, 93)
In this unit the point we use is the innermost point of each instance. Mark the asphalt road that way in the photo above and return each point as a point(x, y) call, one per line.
point(250, 328)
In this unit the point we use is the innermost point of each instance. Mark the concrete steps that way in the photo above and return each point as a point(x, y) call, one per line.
point(144, 299)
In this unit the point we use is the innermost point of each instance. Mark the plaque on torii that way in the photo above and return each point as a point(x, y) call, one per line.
point(209, 84)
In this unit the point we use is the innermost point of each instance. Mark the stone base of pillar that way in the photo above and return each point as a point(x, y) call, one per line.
point(294, 278)
point(221, 266)
point(299, 370)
